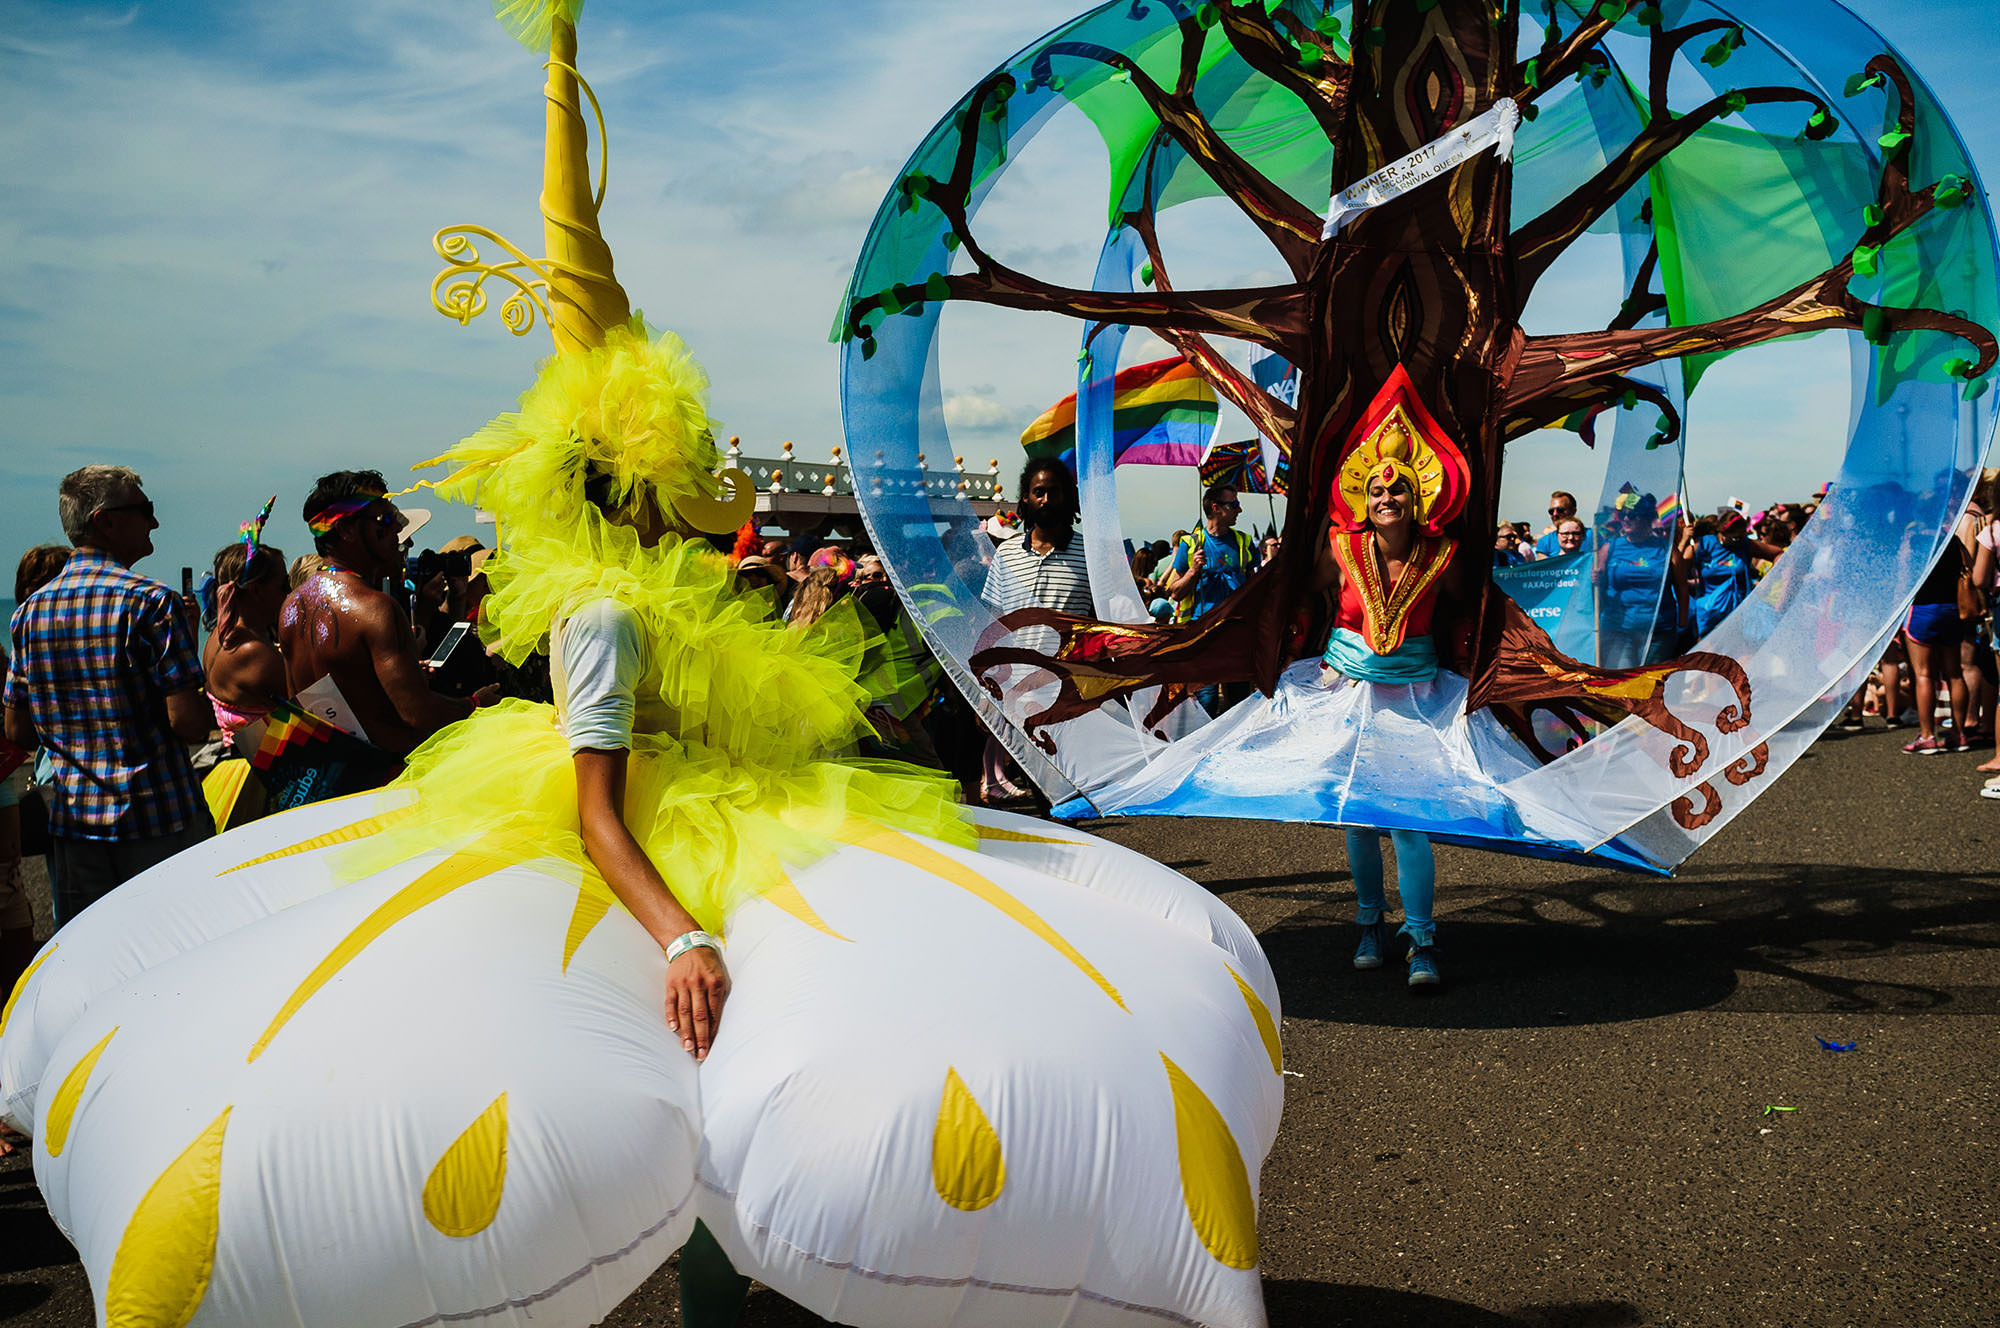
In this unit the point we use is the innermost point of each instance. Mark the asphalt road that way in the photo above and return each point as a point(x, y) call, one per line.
point(1575, 1132)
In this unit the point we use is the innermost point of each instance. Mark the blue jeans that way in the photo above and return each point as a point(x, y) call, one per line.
point(1416, 880)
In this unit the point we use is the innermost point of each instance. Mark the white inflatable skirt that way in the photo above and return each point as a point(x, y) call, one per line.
point(1031, 1084)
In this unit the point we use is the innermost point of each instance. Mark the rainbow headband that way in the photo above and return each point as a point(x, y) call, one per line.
point(337, 511)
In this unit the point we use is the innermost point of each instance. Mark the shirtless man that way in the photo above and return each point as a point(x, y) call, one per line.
point(339, 624)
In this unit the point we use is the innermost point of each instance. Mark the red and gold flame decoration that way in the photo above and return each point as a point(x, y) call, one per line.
point(1397, 437)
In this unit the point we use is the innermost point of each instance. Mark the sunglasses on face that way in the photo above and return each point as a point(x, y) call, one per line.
point(1228, 507)
point(144, 507)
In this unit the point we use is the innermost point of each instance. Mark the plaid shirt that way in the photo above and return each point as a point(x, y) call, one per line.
point(96, 651)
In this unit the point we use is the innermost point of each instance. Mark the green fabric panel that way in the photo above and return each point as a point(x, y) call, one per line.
point(1268, 125)
point(1741, 216)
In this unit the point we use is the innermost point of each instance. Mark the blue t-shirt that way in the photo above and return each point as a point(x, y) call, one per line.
point(1635, 594)
point(1725, 583)
point(1231, 559)
point(1549, 547)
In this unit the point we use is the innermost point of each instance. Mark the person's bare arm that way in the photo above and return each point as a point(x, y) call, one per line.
point(392, 650)
point(1982, 565)
point(189, 715)
point(21, 727)
point(1768, 552)
point(697, 982)
point(1181, 584)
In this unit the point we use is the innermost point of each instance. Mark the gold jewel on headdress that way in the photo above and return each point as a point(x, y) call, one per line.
point(573, 287)
point(1398, 439)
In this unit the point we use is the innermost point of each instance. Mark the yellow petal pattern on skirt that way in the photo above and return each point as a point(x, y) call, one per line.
point(591, 906)
point(163, 1263)
point(62, 1107)
point(461, 868)
point(462, 1196)
point(1213, 1180)
point(894, 844)
point(966, 1166)
point(21, 984)
point(1266, 1029)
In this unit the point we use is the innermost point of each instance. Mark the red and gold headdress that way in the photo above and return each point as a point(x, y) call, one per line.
point(1397, 438)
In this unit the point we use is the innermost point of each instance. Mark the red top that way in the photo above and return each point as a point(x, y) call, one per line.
point(1386, 616)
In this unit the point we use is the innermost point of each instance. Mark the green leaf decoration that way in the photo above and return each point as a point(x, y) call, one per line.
point(1856, 82)
point(1205, 16)
point(1821, 126)
point(1958, 367)
point(1310, 56)
point(1866, 258)
point(1122, 76)
point(937, 287)
point(1146, 274)
point(1612, 9)
point(891, 302)
point(1875, 325)
point(1530, 111)
point(1735, 101)
point(1718, 53)
point(1328, 26)
point(1629, 401)
point(1533, 74)
point(1649, 15)
point(1951, 191)
point(1871, 216)
point(951, 241)
point(1894, 139)
point(868, 348)
point(1975, 390)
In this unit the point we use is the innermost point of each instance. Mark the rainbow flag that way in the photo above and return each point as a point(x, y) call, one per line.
point(1162, 414)
point(1670, 507)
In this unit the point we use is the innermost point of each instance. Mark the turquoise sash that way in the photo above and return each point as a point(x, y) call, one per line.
point(1416, 660)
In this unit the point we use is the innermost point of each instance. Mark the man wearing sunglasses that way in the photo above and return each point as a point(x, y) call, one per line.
point(1562, 509)
point(340, 625)
point(1211, 564)
point(105, 676)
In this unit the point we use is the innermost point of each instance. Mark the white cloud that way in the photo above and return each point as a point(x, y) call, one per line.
point(979, 411)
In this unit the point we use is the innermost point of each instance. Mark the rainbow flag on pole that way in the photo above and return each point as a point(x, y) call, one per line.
point(1162, 414)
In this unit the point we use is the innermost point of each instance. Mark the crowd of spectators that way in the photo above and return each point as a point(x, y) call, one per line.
point(123, 699)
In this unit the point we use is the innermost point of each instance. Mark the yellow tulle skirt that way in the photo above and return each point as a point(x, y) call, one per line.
point(718, 829)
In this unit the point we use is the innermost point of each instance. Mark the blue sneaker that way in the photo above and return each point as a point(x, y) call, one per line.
point(1423, 967)
point(1374, 940)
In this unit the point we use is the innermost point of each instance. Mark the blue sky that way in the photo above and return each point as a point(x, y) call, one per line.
point(214, 244)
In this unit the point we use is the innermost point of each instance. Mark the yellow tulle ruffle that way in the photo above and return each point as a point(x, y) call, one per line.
point(718, 830)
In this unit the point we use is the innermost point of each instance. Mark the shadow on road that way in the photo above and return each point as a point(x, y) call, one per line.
point(1304, 1304)
point(1605, 949)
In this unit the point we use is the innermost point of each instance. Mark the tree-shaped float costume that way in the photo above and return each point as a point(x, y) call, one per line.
point(400, 1059)
point(1769, 168)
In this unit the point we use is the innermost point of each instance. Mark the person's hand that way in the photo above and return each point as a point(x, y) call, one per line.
point(486, 695)
point(430, 595)
point(697, 985)
point(1198, 559)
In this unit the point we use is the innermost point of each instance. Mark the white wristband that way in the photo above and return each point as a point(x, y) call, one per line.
point(692, 940)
